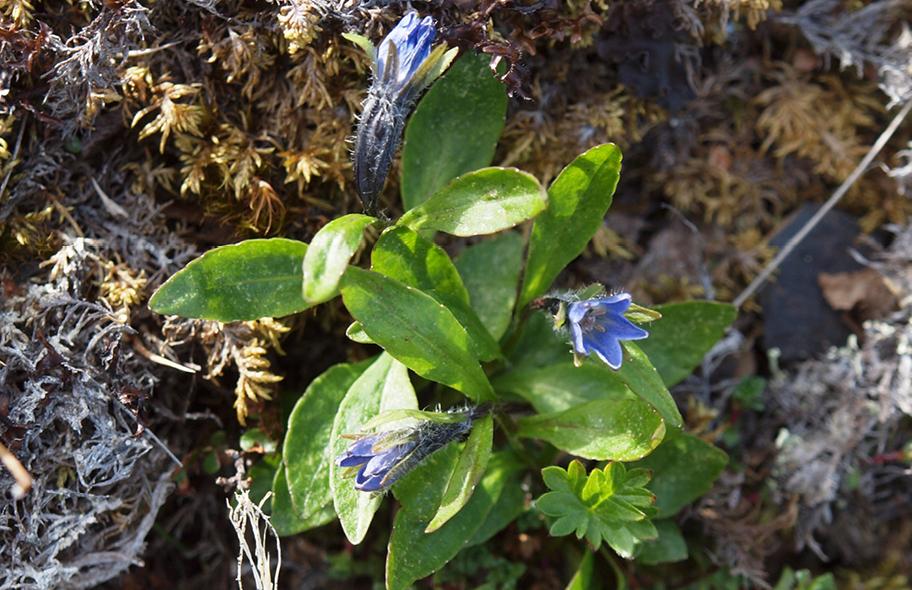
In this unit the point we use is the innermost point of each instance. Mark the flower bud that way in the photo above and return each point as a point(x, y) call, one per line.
point(404, 65)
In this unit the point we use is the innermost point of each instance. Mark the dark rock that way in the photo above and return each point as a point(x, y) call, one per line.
point(796, 318)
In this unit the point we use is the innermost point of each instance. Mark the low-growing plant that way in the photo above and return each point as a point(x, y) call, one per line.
point(521, 378)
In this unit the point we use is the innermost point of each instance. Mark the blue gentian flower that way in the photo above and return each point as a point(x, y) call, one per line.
point(405, 47)
point(384, 457)
point(598, 325)
point(405, 63)
point(377, 456)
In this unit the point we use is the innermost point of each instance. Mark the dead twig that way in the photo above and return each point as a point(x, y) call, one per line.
point(12, 464)
point(831, 202)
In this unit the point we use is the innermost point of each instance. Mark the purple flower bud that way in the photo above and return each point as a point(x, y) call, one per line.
point(405, 63)
point(384, 457)
point(409, 44)
point(598, 325)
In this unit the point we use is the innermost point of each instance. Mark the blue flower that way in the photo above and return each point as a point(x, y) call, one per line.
point(386, 456)
point(408, 45)
point(598, 325)
point(377, 455)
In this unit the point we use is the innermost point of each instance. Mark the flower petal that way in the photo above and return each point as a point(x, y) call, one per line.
point(607, 347)
point(624, 329)
point(352, 460)
point(382, 463)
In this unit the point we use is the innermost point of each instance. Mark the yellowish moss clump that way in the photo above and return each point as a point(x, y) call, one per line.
point(543, 141)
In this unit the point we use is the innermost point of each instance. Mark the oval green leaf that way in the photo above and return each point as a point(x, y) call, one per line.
point(615, 430)
point(481, 202)
point(414, 554)
point(668, 547)
point(643, 379)
point(684, 468)
point(468, 471)
point(577, 202)
point(285, 519)
point(562, 386)
point(413, 260)
point(453, 130)
point(246, 281)
point(329, 254)
point(679, 340)
point(415, 329)
point(490, 272)
point(383, 386)
point(306, 450)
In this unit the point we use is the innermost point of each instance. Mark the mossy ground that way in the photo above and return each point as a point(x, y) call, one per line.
point(135, 135)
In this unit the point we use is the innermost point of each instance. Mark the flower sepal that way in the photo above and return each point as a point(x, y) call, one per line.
point(641, 315)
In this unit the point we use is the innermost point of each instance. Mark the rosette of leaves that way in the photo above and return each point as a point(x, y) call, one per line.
point(469, 328)
point(610, 505)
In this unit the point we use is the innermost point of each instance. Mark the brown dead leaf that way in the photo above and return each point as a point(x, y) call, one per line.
point(865, 292)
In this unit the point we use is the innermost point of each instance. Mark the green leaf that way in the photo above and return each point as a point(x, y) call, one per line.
point(306, 450)
point(255, 440)
point(617, 430)
point(678, 342)
point(641, 377)
point(610, 504)
point(577, 202)
point(641, 315)
point(246, 281)
point(361, 41)
point(585, 577)
point(490, 271)
point(561, 386)
point(468, 471)
point(668, 547)
point(329, 254)
point(804, 580)
point(481, 202)
point(538, 345)
point(510, 504)
point(453, 130)
point(413, 415)
point(402, 254)
point(383, 386)
point(415, 329)
point(414, 554)
point(684, 468)
point(288, 521)
point(355, 332)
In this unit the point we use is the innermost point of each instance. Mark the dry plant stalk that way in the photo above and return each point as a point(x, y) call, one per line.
point(12, 464)
point(245, 513)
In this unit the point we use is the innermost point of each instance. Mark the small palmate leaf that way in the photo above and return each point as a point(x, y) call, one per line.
point(482, 202)
point(610, 505)
point(246, 281)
